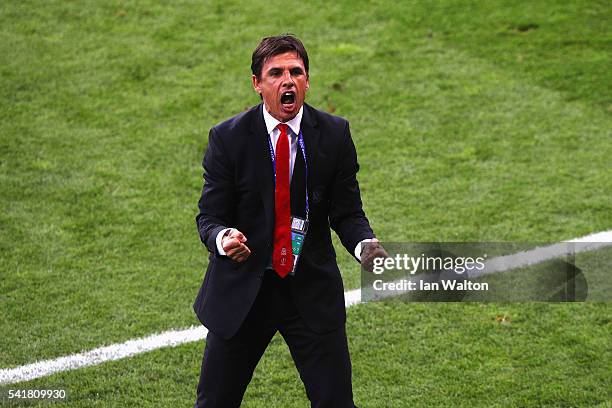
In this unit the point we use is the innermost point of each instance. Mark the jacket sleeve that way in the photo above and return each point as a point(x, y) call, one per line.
point(346, 214)
point(216, 203)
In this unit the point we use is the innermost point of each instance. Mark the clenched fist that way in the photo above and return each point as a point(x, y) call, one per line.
point(369, 252)
point(234, 247)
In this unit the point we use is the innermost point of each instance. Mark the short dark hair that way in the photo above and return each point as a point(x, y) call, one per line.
point(271, 46)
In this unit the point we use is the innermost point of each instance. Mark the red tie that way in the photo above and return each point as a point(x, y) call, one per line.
point(282, 255)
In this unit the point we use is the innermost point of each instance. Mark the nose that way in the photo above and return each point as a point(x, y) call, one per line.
point(287, 78)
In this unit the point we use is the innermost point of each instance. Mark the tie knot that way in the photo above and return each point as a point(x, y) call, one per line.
point(283, 128)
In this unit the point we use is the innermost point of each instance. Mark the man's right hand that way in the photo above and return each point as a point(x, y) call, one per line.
point(234, 247)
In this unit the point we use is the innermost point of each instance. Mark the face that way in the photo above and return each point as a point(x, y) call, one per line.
point(283, 85)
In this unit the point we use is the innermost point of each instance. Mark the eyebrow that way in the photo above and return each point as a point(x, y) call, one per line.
point(292, 69)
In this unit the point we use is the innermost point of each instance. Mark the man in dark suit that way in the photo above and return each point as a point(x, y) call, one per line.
point(281, 159)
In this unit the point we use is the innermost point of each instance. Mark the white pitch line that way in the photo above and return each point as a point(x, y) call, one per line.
point(541, 254)
point(118, 351)
point(173, 338)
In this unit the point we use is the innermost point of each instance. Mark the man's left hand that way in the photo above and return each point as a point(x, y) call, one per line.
point(370, 251)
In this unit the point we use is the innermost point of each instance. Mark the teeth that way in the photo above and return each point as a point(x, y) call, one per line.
point(288, 97)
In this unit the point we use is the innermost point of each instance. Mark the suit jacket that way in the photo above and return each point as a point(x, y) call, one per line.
point(239, 192)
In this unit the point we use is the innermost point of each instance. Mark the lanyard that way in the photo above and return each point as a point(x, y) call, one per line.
point(303, 149)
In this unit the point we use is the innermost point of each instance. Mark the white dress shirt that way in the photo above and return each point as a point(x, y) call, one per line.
point(294, 131)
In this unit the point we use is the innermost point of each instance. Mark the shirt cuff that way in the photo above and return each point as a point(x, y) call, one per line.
point(218, 241)
point(358, 248)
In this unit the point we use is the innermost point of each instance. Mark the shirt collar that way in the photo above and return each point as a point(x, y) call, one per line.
point(272, 122)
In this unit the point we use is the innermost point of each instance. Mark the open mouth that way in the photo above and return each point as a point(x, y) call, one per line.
point(288, 98)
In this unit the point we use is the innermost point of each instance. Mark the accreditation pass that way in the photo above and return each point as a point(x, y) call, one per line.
point(299, 227)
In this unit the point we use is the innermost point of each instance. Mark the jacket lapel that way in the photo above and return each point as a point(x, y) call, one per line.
point(263, 165)
point(310, 131)
point(298, 186)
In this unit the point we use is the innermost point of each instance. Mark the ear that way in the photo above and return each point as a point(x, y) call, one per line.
point(256, 84)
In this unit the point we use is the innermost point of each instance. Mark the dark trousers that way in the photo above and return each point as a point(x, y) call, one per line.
point(322, 360)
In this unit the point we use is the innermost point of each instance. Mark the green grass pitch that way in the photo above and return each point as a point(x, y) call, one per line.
point(473, 120)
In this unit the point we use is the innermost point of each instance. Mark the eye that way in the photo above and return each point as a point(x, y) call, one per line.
point(297, 71)
point(274, 72)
